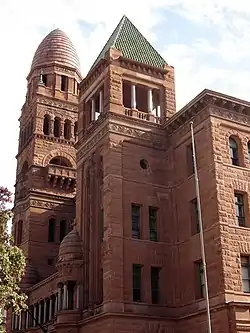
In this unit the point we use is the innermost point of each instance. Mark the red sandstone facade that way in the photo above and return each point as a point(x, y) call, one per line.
point(110, 153)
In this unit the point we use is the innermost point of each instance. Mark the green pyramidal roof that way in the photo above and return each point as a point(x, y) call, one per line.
point(132, 44)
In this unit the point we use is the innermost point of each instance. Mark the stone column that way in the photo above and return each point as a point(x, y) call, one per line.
point(50, 308)
point(78, 296)
point(40, 313)
point(133, 96)
point(92, 109)
point(56, 304)
point(59, 299)
point(51, 126)
point(34, 321)
point(45, 311)
point(65, 294)
point(13, 322)
point(27, 320)
point(20, 322)
point(158, 111)
point(72, 131)
point(150, 100)
point(101, 101)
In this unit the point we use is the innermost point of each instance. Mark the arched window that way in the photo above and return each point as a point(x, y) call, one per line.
point(61, 161)
point(19, 234)
point(234, 153)
point(76, 130)
point(51, 231)
point(63, 229)
point(46, 122)
point(67, 129)
point(57, 127)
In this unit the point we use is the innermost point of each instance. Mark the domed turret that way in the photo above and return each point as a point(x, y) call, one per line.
point(56, 48)
point(70, 248)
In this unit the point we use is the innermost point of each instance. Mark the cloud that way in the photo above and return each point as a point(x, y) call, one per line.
point(215, 55)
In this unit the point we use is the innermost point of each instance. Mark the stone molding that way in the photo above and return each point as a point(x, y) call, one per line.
point(219, 105)
point(41, 204)
point(148, 137)
point(57, 104)
point(158, 73)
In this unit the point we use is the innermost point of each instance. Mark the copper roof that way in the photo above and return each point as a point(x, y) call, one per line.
point(56, 48)
point(132, 44)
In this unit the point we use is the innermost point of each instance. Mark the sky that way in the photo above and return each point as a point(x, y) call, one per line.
point(206, 41)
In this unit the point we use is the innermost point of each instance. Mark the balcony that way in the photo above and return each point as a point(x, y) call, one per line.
point(142, 115)
point(61, 177)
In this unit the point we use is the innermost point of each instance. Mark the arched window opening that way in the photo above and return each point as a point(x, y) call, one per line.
point(76, 130)
point(234, 153)
point(63, 229)
point(61, 161)
point(67, 129)
point(46, 122)
point(57, 127)
point(52, 228)
point(19, 235)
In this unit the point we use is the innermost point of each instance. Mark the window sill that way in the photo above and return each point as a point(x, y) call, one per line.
point(236, 166)
point(242, 227)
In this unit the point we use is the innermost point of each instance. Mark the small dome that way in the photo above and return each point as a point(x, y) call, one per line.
point(71, 247)
point(56, 48)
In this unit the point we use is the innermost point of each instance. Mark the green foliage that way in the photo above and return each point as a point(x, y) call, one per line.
point(12, 262)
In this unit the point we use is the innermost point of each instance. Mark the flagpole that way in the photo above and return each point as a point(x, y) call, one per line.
point(203, 256)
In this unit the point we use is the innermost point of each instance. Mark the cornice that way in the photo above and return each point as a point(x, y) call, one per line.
point(93, 75)
point(229, 107)
point(138, 67)
point(54, 139)
point(150, 133)
point(57, 103)
point(45, 202)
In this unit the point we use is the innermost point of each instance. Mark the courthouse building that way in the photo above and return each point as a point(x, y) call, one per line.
point(105, 203)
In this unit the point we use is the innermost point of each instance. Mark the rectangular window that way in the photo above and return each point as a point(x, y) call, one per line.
point(155, 284)
point(64, 83)
point(51, 234)
point(239, 208)
point(245, 273)
point(195, 227)
point(63, 229)
point(136, 220)
point(190, 159)
point(152, 214)
point(137, 282)
point(200, 280)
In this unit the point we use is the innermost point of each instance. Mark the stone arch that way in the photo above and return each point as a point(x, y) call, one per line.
point(58, 153)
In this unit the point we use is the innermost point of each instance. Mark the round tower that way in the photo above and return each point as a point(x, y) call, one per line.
point(46, 162)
